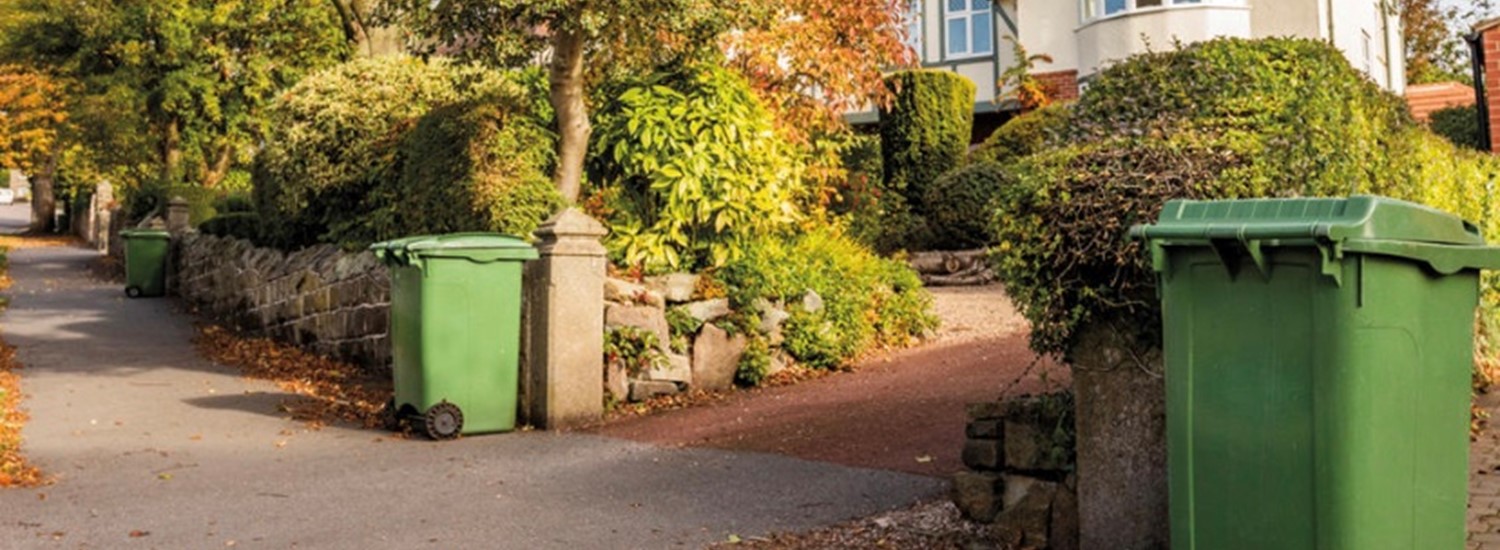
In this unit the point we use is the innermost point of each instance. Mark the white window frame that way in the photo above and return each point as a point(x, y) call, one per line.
point(915, 23)
point(967, 15)
point(1094, 10)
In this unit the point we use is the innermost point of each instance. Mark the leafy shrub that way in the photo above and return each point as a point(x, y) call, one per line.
point(875, 215)
point(867, 300)
point(234, 202)
point(960, 203)
point(754, 363)
point(152, 197)
point(925, 130)
point(634, 349)
point(239, 225)
point(1460, 125)
point(1228, 118)
point(693, 166)
point(480, 165)
point(682, 326)
point(1025, 134)
point(333, 136)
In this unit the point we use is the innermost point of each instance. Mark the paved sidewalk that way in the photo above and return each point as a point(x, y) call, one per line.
point(148, 439)
point(1484, 481)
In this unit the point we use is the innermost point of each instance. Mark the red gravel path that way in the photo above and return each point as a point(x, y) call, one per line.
point(903, 412)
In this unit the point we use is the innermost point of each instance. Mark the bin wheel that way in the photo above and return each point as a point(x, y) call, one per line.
point(443, 421)
point(133, 291)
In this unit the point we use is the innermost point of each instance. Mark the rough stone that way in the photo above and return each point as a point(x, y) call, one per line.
point(716, 357)
point(708, 310)
point(812, 302)
point(1029, 447)
point(984, 429)
point(616, 383)
point(1063, 533)
point(780, 361)
point(1121, 422)
point(677, 368)
point(1026, 517)
point(986, 410)
point(977, 495)
point(641, 390)
point(675, 287)
point(626, 292)
point(983, 454)
point(771, 319)
point(649, 318)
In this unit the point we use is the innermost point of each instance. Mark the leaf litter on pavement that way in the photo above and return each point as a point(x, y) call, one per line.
point(327, 390)
point(15, 471)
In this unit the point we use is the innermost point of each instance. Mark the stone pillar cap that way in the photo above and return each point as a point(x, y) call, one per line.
point(571, 222)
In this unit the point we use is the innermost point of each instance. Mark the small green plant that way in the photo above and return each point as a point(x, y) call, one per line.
point(636, 349)
point(755, 363)
point(683, 326)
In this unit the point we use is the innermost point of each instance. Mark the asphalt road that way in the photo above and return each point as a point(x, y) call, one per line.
point(154, 447)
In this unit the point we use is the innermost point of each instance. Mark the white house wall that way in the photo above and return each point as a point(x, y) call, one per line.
point(1114, 38)
point(1047, 28)
point(1285, 18)
point(1358, 23)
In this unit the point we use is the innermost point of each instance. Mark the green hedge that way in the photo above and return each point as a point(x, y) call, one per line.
point(925, 131)
point(333, 137)
point(239, 225)
point(1228, 118)
point(959, 204)
point(1024, 135)
point(1459, 125)
point(482, 165)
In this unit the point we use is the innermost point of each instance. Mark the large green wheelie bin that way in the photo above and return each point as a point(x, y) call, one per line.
point(146, 261)
point(1318, 356)
point(456, 330)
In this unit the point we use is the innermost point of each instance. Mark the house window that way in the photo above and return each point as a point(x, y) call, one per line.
point(914, 29)
point(1094, 9)
point(970, 27)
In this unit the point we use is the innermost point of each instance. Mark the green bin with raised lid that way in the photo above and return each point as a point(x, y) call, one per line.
point(146, 261)
point(1318, 356)
point(455, 330)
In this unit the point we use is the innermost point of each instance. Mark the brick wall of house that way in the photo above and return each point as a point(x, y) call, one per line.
point(1062, 84)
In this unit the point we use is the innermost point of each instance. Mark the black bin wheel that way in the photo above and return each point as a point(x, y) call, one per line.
point(443, 421)
point(133, 291)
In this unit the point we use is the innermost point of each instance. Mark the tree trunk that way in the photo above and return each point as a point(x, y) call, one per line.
point(171, 151)
point(43, 200)
point(567, 97)
point(366, 40)
point(216, 172)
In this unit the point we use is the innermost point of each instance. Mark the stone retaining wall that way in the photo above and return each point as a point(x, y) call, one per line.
point(322, 299)
point(1021, 478)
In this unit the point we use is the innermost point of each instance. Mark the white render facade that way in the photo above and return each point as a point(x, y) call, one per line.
point(974, 37)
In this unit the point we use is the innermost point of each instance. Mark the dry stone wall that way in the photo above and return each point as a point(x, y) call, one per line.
point(321, 299)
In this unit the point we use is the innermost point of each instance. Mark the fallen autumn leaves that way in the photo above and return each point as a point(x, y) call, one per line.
point(330, 390)
point(14, 470)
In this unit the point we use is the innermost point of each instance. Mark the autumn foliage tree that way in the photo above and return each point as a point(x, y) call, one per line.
point(809, 59)
point(1432, 31)
point(814, 60)
point(32, 114)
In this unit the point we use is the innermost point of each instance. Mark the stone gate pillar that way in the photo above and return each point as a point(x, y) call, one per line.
point(562, 368)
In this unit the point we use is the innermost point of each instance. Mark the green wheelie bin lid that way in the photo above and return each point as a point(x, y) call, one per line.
point(161, 234)
point(1361, 224)
point(476, 247)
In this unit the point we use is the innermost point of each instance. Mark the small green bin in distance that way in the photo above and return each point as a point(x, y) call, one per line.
point(455, 330)
point(1318, 356)
point(146, 261)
